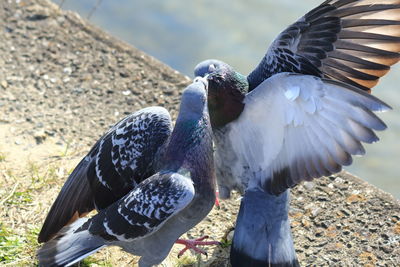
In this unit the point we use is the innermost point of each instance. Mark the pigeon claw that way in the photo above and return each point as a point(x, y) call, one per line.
point(193, 243)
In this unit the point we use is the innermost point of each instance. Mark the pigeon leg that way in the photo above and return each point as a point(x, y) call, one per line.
point(193, 243)
point(217, 200)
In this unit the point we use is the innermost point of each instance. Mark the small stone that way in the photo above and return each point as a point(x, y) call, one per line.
point(385, 236)
point(296, 214)
point(50, 132)
point(123, 74)
point(60, 172)
point(318, 232)
point(39, 136)
point(39, 125)
point(229, 236)
point(67, 70)
point(77, 90)
point(4, 84)
point(306, 223)
point(322, 198)
point(295, 224)
point(346, 212)
point(321, 244)
point(367, 257)
point(315, 212)
point(339, 180)
point(355, 198)
point(335, 247)
point(397, 228)
point(308, 185)
point(325, 225)
point(386, 249)
point(60, 143)
point(346, 232)
point(309, 206)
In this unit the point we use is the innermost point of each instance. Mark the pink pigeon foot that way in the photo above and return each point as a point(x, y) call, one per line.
point(217, 200)
point(193, 243)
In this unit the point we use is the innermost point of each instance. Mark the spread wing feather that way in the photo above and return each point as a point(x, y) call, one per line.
point(352, 41)
point(306, 127)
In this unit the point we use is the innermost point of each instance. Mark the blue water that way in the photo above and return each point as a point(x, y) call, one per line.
point(182, 33)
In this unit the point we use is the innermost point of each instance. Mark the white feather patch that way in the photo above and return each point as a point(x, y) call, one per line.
point(303, 123)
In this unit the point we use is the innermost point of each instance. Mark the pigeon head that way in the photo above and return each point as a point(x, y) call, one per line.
point(226, 91)
point(209, 66)
point(194, 98)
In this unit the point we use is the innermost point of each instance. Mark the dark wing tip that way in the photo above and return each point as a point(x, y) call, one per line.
point(74, 201)
point(355, 42)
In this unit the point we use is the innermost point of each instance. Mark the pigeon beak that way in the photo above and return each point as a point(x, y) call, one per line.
point(202, 80)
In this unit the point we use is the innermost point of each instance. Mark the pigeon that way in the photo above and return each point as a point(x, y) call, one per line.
point(302, 113)
point(160, 206)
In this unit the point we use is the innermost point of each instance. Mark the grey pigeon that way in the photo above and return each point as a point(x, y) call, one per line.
point(300, 114)
point(122, 158)
point(159, 208)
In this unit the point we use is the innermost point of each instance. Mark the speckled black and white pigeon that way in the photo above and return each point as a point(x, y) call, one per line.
point(300, 114)
point(160, 207)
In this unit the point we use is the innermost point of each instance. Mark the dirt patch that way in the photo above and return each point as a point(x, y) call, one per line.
point(63, 82)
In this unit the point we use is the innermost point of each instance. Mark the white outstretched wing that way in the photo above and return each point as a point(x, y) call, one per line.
point(298, 127)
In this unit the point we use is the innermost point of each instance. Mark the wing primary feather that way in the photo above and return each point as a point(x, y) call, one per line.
point(319, 171)
point(369, 101)
point(345, 139)
point(349, 70)
point(356, 129)
point(349, 23)
point(350, 58)
point(329, 142)
point(318, 12)
point(357, 10)
point(337, 74)
point(346, 46)
point(350, 41)
point(339, 4)
point(74, 201)
point(358, 112)
point(348, 34)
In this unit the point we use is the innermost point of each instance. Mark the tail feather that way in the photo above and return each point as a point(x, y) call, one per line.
point(71, 245)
